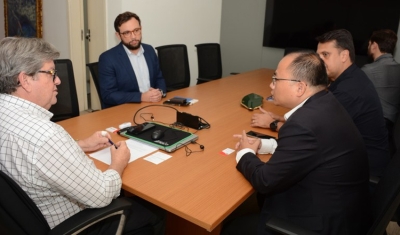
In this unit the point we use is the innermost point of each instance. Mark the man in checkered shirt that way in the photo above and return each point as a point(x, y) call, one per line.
point(42, 157)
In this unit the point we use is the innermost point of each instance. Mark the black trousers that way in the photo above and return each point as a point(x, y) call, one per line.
point(143, 218)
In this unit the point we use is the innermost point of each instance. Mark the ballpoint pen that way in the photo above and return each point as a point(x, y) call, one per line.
point(104, 133)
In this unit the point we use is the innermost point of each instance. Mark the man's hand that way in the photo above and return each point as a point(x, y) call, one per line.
point(152, 95)
point(264, 118)
point(94, 142)
point(119, 157)
point(247, 142)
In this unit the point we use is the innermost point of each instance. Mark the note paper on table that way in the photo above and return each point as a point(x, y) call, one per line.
point(137, 149)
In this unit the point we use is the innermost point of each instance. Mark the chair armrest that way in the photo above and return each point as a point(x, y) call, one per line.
point(91, 215)
point(205, 79)
point(286, 227)
point(374, 180)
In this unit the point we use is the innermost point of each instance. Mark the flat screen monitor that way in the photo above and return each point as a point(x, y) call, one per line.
point(296, 23)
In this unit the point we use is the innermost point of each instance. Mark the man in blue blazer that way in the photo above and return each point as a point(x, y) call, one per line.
point(130, 72)
point(317, 177)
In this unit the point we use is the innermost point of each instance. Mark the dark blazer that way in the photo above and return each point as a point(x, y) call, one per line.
point(117, 79)
point(318, 175)
point(358, 96)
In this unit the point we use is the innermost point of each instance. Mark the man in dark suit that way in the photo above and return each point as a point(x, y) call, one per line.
point(354, 91)
point(352, 88)
point(317, 176)
point(130, 72)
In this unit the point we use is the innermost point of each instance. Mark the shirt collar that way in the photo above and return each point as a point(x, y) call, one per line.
point(384, 56)
point(288, 114)
point(6, 99)
point(141, 51)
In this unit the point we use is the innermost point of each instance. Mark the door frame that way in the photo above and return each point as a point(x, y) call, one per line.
point(77, 50)
point(82, 52)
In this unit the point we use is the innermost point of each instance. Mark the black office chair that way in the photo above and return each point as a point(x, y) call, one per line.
point(20, 215)
point(67, 105)
point(384, 203)
point(209, 62)
point(174, 65)
point(94, 71)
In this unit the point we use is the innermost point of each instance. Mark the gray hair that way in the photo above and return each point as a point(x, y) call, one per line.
point(18, 54)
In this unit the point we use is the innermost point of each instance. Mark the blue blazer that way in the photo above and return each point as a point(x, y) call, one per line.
point(117, 79)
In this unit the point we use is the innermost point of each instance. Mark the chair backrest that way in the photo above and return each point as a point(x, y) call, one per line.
point(209, 60)
point(94, 71)
point(67, 105)
point(174, 65)
point(18, 213)
point(386, 197)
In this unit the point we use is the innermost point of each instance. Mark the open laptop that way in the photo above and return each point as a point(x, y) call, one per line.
point(171, 140)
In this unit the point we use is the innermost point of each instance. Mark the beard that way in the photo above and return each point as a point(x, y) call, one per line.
point(130, 47)
point(370, 56)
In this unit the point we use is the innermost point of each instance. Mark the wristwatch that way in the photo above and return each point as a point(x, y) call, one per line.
point(274, 125)
point(162, 93)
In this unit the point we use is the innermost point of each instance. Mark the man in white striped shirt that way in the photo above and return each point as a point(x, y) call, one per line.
point(40, 155)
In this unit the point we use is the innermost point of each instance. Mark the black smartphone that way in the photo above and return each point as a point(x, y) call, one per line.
point(169, 102)
point(135, 130)
point(259, 135)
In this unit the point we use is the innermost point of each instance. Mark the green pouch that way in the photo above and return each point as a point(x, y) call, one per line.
point(252, 101)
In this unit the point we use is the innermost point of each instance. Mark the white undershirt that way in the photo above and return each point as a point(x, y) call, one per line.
point(140, 68)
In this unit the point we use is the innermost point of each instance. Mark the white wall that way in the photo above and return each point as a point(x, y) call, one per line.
point(55, 25)
point(178, 22)
point(242, 28)
point(114, 7)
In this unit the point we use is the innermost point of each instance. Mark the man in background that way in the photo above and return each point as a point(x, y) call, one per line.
point(352, 88)
point(384, 73)
point(130, 72)
point(310, 180)
point(43, 159)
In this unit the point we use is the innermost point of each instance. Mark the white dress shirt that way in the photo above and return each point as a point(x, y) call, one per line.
point(48, 164)
point(140, 68)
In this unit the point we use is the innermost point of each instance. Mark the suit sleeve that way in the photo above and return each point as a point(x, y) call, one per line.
point(292, 160)
point(110, 73)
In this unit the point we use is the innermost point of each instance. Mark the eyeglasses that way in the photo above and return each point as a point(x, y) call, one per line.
point(51, 72)
point(136, 32)
point(274, 79)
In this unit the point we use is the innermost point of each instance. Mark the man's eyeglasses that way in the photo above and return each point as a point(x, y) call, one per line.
point(274, 79)
point(136, 32)
point(51, 72)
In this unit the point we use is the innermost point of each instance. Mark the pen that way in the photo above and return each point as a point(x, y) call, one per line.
point(103, 133)
point(112, 143)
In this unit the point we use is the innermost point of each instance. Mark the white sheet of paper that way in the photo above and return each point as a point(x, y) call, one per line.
point(157, 157)
point(137, 149)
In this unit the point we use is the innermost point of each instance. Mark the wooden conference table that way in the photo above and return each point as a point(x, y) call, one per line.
point(204, 187)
